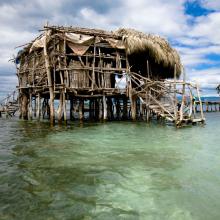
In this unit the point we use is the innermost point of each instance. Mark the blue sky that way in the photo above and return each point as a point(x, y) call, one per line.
point(191, 26)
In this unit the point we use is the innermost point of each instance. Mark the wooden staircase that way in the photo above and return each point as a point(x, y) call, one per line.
point(160, 99)
point(158, 108)
point(9, 106)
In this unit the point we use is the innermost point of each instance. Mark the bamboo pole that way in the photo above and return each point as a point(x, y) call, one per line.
point(175, 99)
point(49, 78)
point(191, 112)
point(183, 96)
point(200, 102)
point(65, 62)
point(93, 66)
point(147, 105)
point(148, 71)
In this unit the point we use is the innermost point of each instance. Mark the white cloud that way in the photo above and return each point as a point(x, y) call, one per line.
point(211, 4)
point(208, 77)
point(207, 27)
point(21, 20)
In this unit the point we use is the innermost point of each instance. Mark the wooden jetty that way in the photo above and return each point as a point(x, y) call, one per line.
point(208, 106)
point(68, 73)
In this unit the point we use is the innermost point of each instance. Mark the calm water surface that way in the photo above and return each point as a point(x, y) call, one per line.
point(116, 170)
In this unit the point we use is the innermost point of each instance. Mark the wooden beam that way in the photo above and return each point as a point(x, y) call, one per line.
point(49, 78)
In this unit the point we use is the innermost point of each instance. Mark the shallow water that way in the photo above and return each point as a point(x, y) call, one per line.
point(116, 170)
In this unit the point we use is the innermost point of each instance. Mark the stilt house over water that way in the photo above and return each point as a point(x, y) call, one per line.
point(105, 75)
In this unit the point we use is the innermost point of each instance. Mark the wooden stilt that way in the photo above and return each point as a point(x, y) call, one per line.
point(30, 107)
point(60, 109)
point(125, 108)
point(133, 108)
point(104, 108)
point(24, 106)
point(38, 106)
point(91, 112)
point(71, 109)
point(64, 108)
point(35, 106)
point(49, 78)
point(100, 109)
point(81, 109)
point(118, 108)
point(110, 108)
point(200, 103)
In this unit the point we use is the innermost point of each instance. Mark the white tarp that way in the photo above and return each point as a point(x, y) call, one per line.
point(38, 43)
point(80, 38)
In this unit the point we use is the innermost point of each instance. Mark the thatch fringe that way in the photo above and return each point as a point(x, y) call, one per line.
point(157, 47)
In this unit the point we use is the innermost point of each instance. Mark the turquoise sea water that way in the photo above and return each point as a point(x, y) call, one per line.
point(116, 170)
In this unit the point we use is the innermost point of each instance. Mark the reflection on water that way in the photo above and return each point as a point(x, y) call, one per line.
point(118, 170)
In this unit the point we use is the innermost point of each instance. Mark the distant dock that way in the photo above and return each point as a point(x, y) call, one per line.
point(208, 106)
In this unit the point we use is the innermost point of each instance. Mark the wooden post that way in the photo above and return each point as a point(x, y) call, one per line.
point(118, 108)
point(207, 106)
point(125, 108)
point(133, 103)
point(64, 107)
point(133, 108)
point(148, 71)
point(35, 106)
point(183, 96)
point(81, 109)
point(100, 109)
point(110, 114)
point(147, 105)
point(66, 73)
point(38, 106)
point(200, 103)
point(93, 66)
point(60, 108)
point(24, 106)
point(175, 99)
point(49, 78)
point(91, 110)
point(71, 109)
point(104, 108)
point(30, 107)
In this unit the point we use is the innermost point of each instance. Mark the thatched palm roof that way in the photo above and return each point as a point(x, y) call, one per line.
point(157, 47)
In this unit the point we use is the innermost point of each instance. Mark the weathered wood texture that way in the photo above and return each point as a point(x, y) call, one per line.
point(95, 80)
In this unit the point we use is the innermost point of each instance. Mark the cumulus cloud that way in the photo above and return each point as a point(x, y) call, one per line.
point(213, 4)
point(21, 20)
